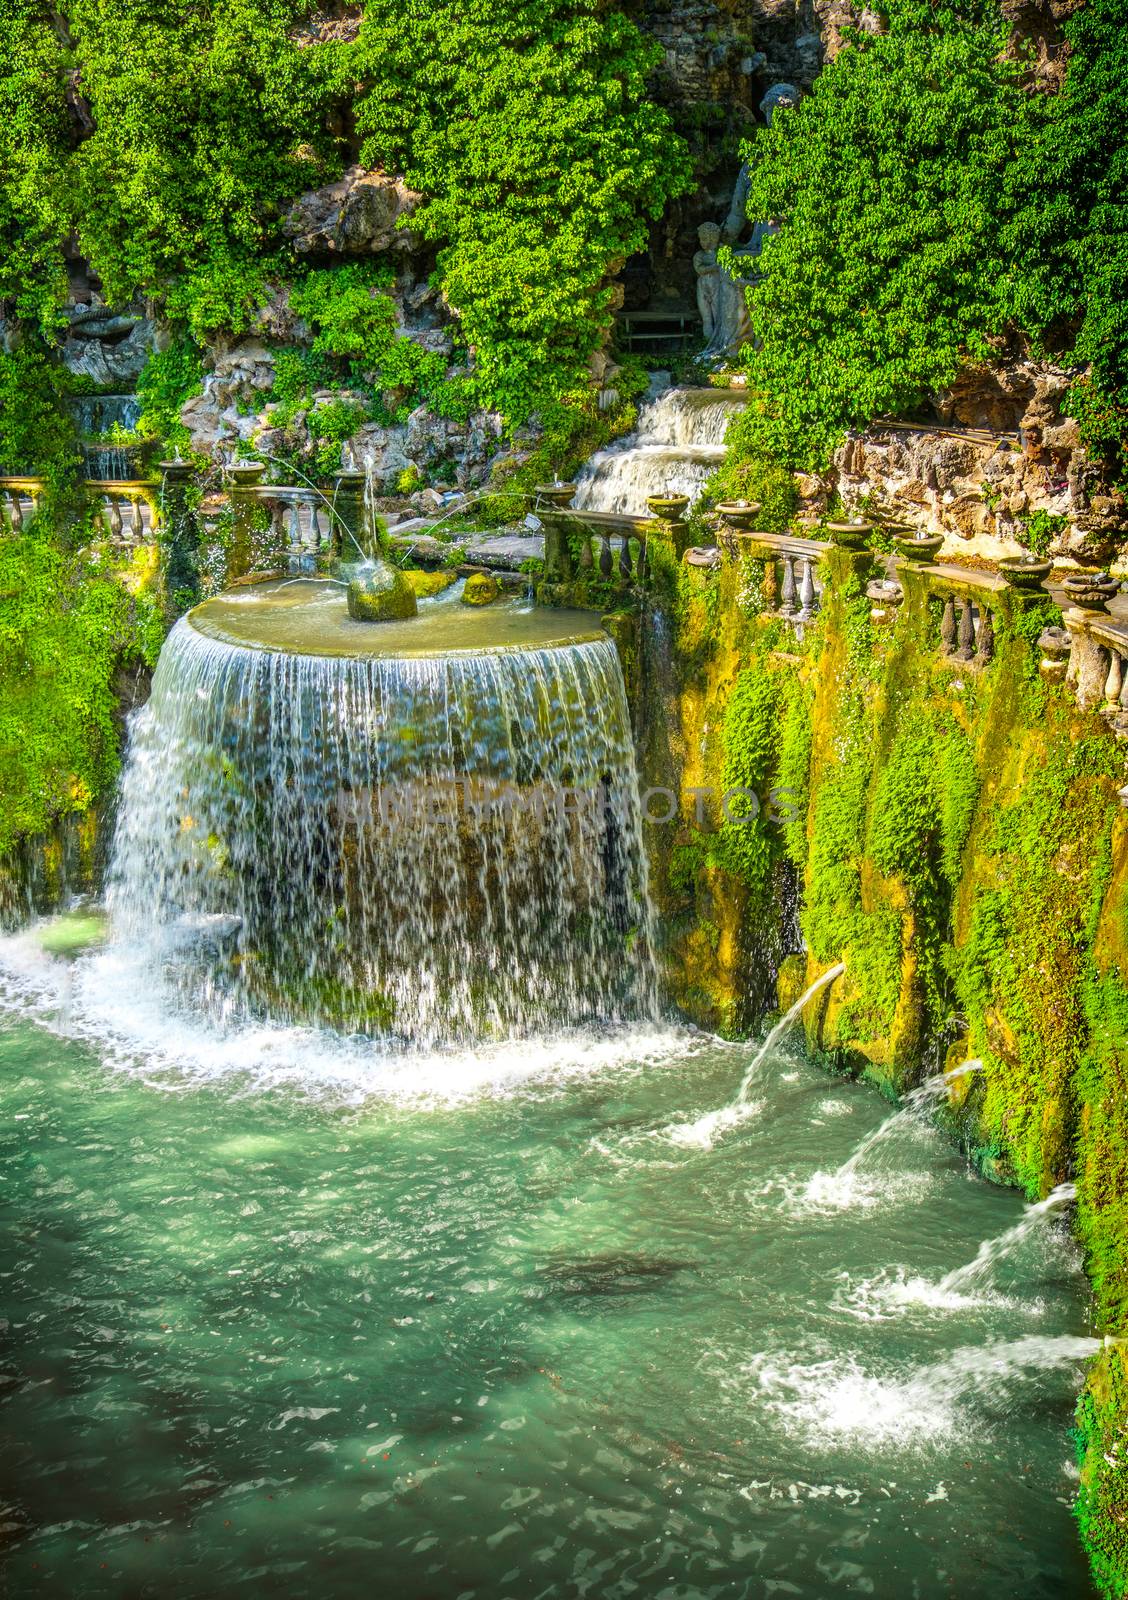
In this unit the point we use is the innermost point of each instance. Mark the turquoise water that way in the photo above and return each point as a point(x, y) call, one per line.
point(284, 1318)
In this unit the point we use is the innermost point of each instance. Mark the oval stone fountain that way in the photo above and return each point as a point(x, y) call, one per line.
point(426, 828)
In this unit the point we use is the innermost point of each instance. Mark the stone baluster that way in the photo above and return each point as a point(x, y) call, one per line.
point(16, 511)
point(278, 527)
point(586, 561)
point(605, 560)
point(1114, 682)
point(136, 521)
point(5, 514)
point(294, 531)
point(313, 530)
point(948, 629)
point(806, 589)
point(625, 566)
point(113, 518)
point(967, 632)
point(985, 638)
point(787, 588)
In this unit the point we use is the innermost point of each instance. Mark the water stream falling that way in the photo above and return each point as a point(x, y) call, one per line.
point(704, 1130)
point(436, 844)
point(925, 1094)
point(781, 1027)
point(992, 1251)
point(679, 442)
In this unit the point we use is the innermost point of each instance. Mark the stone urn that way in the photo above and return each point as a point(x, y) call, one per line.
point(919, 548)
point(668, 507)
point(246, 474)
point(380, 593)
point(1024, 572)
point(555, 494)
point(739, 513)
point(1090, 591)
point(850, 535)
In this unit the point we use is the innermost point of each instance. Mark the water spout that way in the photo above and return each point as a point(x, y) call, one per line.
point(782, 1026)
point(934, 1089)
point(992, 1251)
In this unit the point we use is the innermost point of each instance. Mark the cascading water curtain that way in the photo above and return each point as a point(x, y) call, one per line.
point(441, 849)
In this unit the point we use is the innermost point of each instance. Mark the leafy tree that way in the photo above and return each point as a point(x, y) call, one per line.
point(894, 181)
point(528, 129)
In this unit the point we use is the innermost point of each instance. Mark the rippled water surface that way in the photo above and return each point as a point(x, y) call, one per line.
point(346, 1327)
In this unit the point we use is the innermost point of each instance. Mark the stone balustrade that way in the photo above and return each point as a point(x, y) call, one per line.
point(583, 546)
point(124, 513)
point(792, 583)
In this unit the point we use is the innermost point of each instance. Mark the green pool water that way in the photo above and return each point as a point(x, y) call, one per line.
point(284, 1318)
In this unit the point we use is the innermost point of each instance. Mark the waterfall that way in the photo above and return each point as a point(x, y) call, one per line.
point(679, 442)
point(96, 415)
point(992, 1251)
point(436, 847)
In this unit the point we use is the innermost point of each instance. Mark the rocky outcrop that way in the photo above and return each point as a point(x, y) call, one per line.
point(108, 347)
point(1007, 461)
point(359, 214)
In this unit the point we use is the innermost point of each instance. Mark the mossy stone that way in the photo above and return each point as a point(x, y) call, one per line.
point(381, 594)
point(482, 589)
point(427, 584)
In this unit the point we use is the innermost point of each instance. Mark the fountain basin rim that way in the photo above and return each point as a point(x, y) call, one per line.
point(385, 641)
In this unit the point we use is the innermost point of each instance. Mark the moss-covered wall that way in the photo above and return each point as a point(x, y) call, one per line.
point(952, 831)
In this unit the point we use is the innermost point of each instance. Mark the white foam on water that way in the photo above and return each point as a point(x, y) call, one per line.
point(834, 1108)
point(838, 1402)
point(705, 1131)
point(111, 1000)
point(825, 1193)
point(895, 1292)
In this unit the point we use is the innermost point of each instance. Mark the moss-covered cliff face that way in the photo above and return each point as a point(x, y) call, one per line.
point(951, 830)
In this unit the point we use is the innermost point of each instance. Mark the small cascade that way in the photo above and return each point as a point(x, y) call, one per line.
point(992, 1251)
point(433, 844)
point(95, 416)
point(679, 442)
point(107, 463)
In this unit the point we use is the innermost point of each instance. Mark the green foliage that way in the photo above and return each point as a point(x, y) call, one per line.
point(207, 120)
point(745, 842)
point(168, 379)
point(529, 130)
point(37, 437)
point(356, 329)
point(65, 626)
point(750, 473)
point(894, 181)
point(932, 204)
point(35, 137)
point(1041, 529)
